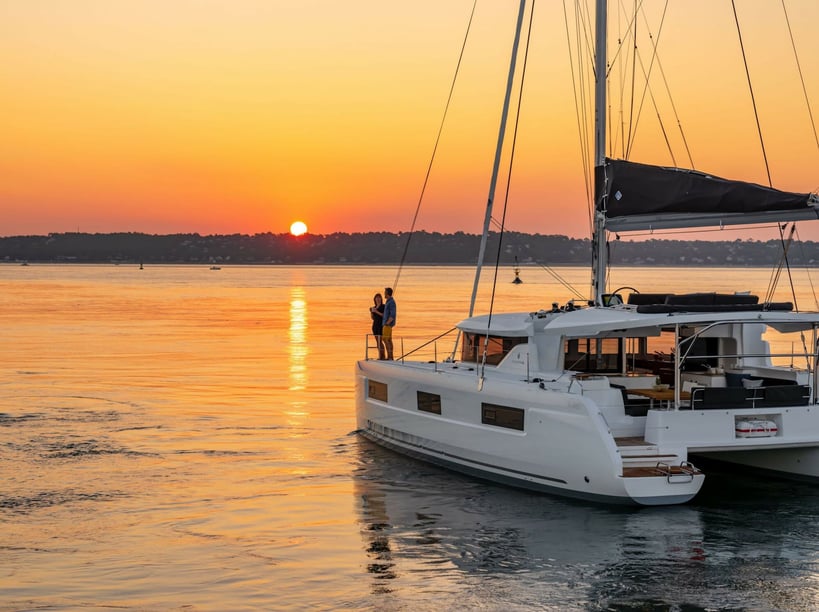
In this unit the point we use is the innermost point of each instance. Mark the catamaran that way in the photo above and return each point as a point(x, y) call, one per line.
point(615, 400)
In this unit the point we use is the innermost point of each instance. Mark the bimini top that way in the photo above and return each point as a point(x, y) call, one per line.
point(629, 320)
point(625, 321)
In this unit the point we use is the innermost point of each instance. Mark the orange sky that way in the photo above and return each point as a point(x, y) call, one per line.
point(209, 116)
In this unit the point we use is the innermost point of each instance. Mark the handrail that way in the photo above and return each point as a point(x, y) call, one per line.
point(369, 346)
point(680, 358)
point(684, 346)
point(741, 355)
point(427, 343)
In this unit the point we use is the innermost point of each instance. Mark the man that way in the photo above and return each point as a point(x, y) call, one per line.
point(389, 321)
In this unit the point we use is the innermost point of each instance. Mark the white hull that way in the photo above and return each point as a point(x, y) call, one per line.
point(800, 464)
point(791, 451)
point(567, 447)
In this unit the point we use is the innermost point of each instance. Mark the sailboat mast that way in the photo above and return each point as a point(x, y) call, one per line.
point(599, 247)
point(499, 149)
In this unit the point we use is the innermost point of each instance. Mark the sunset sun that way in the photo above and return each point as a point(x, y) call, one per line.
point(297, 228)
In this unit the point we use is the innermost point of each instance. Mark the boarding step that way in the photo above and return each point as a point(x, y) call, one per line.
point(642, 459)
point(682, 473)
point(638, 451)
point(649, 457)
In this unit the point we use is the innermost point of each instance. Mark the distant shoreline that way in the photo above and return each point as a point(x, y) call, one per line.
point(389, 249)
point(506, 266)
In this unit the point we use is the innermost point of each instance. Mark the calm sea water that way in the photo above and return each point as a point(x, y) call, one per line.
point(182, 438)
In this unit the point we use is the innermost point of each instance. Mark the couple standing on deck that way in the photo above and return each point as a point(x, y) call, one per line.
point(383, 316)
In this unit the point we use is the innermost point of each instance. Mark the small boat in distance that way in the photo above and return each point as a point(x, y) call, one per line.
point(615, 399)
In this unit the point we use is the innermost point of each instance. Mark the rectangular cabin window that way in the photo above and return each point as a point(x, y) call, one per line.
point(502, 416)
point(650, 354)
point(429, 402)
point(377, 390)
point(497, 347)
point(603, 355)
point(703, 354)
point(660, 345)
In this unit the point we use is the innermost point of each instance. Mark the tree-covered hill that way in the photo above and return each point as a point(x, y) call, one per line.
point(388, 248)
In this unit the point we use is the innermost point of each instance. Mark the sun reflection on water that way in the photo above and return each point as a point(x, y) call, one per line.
point(298, 351)
point(297, 348)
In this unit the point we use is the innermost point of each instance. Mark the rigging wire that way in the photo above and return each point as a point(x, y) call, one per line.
point(581, 105)
point(777, 271)
point(816, 140)
point(435, 148)
point(631, 120)
point(751, 90)
point(551, 271)
point(566, 284)
point(784, 261)
point(647, 90)
point(671, 98)
point(631, 31)
point(801, 77)
point(788, 265)
point(619, 58)
point(660, 121)
point(807, 269)
point(508, 183)
point(613, 137)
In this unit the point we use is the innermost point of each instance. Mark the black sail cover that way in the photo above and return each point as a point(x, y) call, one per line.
point(654, 192)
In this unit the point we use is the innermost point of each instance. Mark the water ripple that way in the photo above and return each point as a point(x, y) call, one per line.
point(88, 448)
point(49, 499)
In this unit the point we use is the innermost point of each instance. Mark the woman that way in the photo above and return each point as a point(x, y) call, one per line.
point(377, 314)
